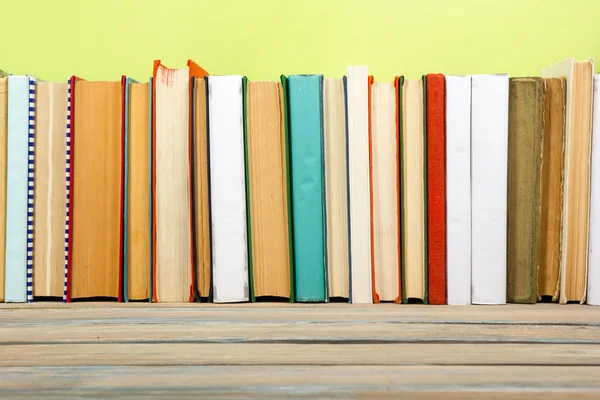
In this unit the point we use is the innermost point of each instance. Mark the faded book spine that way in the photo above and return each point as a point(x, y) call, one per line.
point(525, 130)
point(553, 150)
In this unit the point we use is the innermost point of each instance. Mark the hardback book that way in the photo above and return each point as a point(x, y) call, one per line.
point(172, 187)
point(49, 225)
point(593, 282)
point(458, 189)
point(359, 199)
point(227, 189)
point(96, 189)
point(435, 108)
point(336, 187)
point(384, 191)
point(267, 191)
point(576, 194)
point(305, 110)
point(553, 156)
point(201, 192)
point(525, 132)
point(19, 191)
point(413, 189)
point(138, 181)
point(489, 160)
point(3, 154)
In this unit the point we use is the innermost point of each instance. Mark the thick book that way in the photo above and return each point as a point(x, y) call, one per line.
point(359, 200)
point(305, 110)
point(385, 191)
point(435, 109)
point(50, 214)
point(413, 181)
point(267, 172)
point(137, 212)
point(227, 189)
point(19, 238)
point(458, 189)
point(201, 192)
point(172, 174)
point(525, 130)
point(576, 194)
point(336, 187)
point(593, 282)
point(96, 190)
point(553, 156)
point(3, 154)
point(489, 160)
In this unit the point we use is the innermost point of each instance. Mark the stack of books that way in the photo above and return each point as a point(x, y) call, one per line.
point(481, 189)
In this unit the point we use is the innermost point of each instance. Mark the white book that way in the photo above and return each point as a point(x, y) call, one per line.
point(489, 174)
point(227, 189)
point(593, 283)
point(458, 189)
point(358, 184)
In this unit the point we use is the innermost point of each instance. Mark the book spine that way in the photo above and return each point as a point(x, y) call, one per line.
point(30, 187)
point(68, 191)
point(436, 188)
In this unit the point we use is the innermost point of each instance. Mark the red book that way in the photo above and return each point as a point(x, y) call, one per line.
point(436, 188)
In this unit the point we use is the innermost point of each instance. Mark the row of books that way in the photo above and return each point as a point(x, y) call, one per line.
point(457, 190)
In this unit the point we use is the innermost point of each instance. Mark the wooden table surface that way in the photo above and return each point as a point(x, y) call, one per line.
point(275, 350)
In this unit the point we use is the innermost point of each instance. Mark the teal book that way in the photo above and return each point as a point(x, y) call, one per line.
point(16, 189)
point(305, 111)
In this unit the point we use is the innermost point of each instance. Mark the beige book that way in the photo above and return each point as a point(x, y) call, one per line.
point(384, 169)
point(96, 189)
point(173, 192)
point(553, 150)
point(267, 185)
point(49, 223)
point(413, 191)
point(336, 192)
point(138, 235)
point(576, 197)
point(202, 212)
point(3, 144)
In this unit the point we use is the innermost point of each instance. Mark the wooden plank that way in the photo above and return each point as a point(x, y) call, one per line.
point(429, 382)
point(298, 354)
point(34, 332)
point(544, 314)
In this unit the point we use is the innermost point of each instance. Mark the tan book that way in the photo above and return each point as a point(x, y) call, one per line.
point(201, 210)
point(576, 197)
point(138, 225)
point(385, 235)
point(96, 191)
point(413, 192)
point(553, 150)
point(3, 144)
point(49, 223)
point(525, 130)
point(267, 183)
point(336, 192)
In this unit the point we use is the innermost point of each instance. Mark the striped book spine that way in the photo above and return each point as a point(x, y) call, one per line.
point(68, 188)
point(30, 187)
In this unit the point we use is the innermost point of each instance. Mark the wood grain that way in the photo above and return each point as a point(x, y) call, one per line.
point(261, 350)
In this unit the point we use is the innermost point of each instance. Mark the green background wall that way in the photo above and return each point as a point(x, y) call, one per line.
point(262, 39)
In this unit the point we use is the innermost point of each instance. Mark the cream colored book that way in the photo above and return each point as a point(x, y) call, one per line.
point(172, 216)
point(413, 192)
point(49, 223)
point(576, 195)
point(3, 143)
point(385, 191)
point(336, 187)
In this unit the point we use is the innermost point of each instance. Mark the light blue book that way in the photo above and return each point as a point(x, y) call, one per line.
point(305, 94)
point(17, 189)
